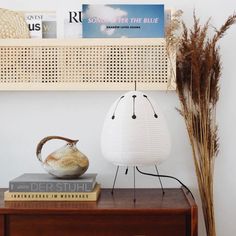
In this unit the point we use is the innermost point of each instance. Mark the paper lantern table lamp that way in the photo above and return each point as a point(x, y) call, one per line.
point(135, 133)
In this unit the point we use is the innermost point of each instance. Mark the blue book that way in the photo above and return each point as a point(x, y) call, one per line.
point(123, 21)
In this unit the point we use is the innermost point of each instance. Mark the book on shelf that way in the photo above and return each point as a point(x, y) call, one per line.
point(53, 196)
point(41, 24)
point(43, 182)
point(70, 23)
point(123, 21)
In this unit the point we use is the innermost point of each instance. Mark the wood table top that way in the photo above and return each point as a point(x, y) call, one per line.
point(148, 200)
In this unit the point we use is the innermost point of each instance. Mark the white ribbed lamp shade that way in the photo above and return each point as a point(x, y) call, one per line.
point(135, 132)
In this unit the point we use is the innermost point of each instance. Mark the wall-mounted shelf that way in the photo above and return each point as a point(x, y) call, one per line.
point(85, 64)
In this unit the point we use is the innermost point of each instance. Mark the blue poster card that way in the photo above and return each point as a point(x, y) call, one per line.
point(123, 21)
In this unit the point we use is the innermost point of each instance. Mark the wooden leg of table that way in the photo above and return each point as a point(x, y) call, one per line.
point(2, 225)
point(192, 220)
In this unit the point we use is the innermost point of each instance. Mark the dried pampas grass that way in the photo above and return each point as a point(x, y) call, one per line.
point(198, 70)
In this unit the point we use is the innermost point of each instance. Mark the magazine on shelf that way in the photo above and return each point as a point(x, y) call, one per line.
point(123, 21)
point(42, 24)
point(73, 24)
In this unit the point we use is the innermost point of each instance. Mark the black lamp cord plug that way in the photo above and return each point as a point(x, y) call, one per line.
point(166, 176)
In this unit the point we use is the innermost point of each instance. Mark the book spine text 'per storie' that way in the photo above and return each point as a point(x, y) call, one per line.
point(51, 186)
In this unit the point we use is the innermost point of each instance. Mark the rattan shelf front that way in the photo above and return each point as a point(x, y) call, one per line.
point(85, 64)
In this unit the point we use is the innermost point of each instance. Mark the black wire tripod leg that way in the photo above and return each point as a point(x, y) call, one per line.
point(163, 192)
point(114, 182)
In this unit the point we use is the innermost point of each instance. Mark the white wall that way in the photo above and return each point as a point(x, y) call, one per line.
point(26, 117)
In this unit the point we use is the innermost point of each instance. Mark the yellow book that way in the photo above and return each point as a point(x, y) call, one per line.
point(53, 196)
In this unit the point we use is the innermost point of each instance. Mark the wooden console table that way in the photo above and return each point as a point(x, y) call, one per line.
point(175, 213)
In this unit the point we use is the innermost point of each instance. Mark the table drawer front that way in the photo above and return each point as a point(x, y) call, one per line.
point(2, 225)
point(100, 225)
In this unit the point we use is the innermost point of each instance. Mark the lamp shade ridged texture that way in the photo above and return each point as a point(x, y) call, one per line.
point(135, 132)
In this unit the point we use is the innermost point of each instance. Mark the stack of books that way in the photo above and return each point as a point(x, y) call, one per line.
point(44, 187)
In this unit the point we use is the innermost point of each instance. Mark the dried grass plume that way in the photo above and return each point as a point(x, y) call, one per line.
point(198, 71)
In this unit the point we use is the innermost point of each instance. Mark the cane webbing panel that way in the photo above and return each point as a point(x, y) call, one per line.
point(84, 64)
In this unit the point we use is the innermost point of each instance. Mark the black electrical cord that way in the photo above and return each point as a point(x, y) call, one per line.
point(166, 176)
